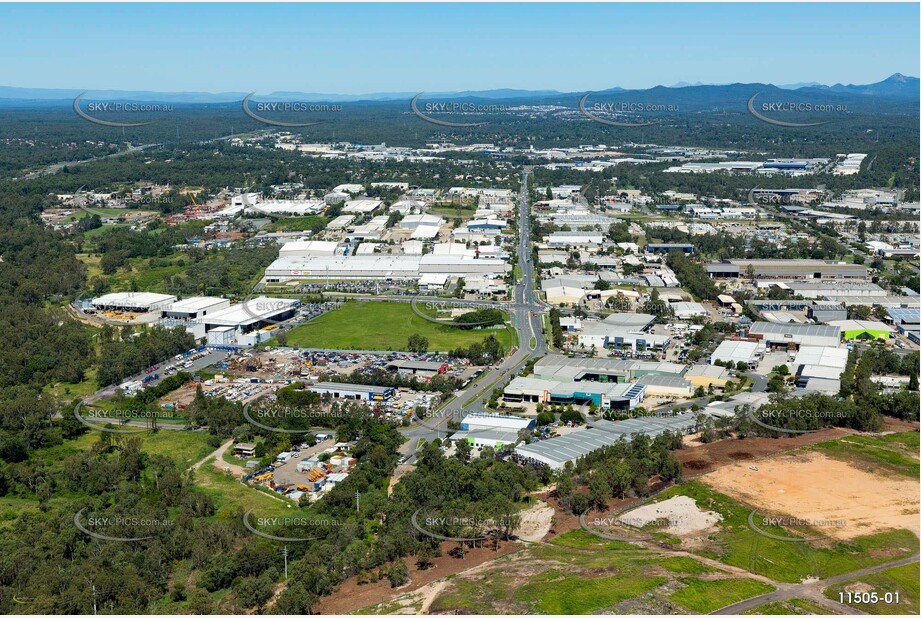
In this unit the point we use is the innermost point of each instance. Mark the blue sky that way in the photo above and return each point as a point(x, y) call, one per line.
point(364, 48)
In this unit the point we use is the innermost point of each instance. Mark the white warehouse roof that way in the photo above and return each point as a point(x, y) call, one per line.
point(735, 351)
point(134, 300)
point(251, 311)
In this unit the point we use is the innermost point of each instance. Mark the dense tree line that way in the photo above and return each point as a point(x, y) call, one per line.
point(127, 352)
point(617, 471)
point(485, 353)
point(692, 276)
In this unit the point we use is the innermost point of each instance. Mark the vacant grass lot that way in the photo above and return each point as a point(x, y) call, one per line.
point(559, 592)
point(903, 580)
point(383, 326)
point(790, 607)
point(705, 596)
point(295, 224)
point(183, 447)
point(892, 453)
point(737, 544)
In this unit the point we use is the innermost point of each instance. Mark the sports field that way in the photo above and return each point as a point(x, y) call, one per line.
point(366, 325)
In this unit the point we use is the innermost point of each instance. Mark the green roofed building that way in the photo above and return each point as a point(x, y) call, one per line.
point(862, 329)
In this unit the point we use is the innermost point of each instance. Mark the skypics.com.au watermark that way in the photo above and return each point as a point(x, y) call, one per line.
point(428, 111)
point(116, 527)
point(460, 529)
point(302, 529)
point(604, 527)
point(757, 521)
point(771, 418)
point(601, 112)
point(785, 113)
point(97, 109)
point(423, 307)
point(260, 416)
point(119, 415)
point(263, 111)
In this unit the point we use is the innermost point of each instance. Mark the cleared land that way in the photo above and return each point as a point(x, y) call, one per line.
point(383, 326)
point(734, 543)
point(706, 596)
point(862, 486)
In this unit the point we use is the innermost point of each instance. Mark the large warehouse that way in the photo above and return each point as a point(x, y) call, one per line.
point(792, 336)
point(138, 302)
point(382, 267)
point(356, 392)
point(607, 396)
point(862, 329)
point(729, 351)
point(785, 269)
point(252, 314)
point(556, 452)
point(194, 307)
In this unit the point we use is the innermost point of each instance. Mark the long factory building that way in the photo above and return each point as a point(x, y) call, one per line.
point(785, 269)
point(382, 267)
point(557, 452)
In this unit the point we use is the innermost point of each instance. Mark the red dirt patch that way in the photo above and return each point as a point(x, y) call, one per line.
point(351, 596)
point(697, 459)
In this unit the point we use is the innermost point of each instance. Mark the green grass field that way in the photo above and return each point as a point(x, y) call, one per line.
point(383, 326)
point(559, 592)
point(902, 580)
point(738, 545)
point(229, 495)
point(892, 453)
point(295, 224)
point(183, 447)
point(706, 596)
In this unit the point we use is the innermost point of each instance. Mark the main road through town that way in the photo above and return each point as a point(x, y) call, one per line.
point(526, 318)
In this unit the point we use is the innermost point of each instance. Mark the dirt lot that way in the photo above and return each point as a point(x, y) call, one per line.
point(697, 458)
point(811, 486)
point(351, 596)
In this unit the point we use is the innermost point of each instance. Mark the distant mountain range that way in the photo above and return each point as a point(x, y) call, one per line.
point(896, 86)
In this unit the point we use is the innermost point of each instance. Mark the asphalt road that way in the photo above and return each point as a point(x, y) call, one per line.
point(526, 319)
point(812, 590)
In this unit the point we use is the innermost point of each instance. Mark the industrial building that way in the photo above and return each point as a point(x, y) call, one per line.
point(785, 269)
point(862, 329)
point(557, 452)
point(417, 368)
point(669, 247)
point(792, 336)
point(355, 392)
point(820, 367)
point(308, 248)
point(194, 307)
point(608, 396)
point(906, 321)
point(686, 309)
point(383, 267)
point(729, 351)
point(563, 239)
point(137, 302)
point(665, 386)
point(826, 311)
point(494, 438)
point(622, 330)
point(478, 420)
point(252, 314)
point(707, 375)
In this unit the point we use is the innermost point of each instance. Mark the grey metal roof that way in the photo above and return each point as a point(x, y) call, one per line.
point(807, 330)
point(902, 314)
point(572, 446)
